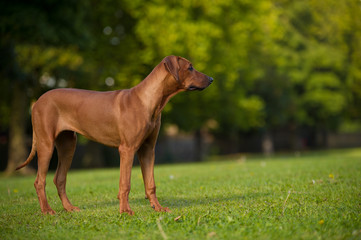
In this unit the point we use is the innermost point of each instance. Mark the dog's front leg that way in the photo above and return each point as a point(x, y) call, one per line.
point(126, 163)
point(146, 158)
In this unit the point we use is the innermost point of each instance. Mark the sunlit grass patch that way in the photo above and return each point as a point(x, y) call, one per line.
point(303, 196)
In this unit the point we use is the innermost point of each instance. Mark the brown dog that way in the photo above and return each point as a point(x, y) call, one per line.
point(127, 119)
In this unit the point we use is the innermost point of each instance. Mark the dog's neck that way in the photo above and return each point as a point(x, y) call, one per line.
point(157, 89)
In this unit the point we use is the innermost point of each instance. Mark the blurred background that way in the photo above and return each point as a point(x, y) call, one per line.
point(287, 73)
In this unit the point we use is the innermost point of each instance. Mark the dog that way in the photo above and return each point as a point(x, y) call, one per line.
point(127, 119)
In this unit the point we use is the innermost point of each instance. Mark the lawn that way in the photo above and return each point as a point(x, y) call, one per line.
point(306, 196)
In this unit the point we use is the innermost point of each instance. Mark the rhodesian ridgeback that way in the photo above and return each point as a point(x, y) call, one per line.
point(126, 119)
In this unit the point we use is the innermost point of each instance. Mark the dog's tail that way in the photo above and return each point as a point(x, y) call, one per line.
point(31, 155)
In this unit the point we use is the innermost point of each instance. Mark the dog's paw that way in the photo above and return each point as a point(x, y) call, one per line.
point(48, 211)
point(72, 209)
point(159, 208)
point(128, 211)
point(124, 207)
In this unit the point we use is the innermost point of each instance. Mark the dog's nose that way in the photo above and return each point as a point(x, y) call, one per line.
point(210, 79)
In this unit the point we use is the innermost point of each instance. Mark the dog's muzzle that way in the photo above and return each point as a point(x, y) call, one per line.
point(192, 87)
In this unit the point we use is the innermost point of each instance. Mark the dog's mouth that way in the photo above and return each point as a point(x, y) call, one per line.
point(193, 88)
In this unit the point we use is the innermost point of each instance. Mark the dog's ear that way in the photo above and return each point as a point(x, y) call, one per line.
point(172, 65)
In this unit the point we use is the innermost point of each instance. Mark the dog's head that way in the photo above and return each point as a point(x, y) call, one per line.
point(183, 71)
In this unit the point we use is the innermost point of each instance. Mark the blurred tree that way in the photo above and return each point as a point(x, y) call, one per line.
point(28, 29)
point(271, 66)
point(326, 66)
point(219, 39)
point(307, 66)
point(277, 64)
point(114, 55)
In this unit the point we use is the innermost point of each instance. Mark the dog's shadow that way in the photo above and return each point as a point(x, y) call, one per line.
point(180, 202)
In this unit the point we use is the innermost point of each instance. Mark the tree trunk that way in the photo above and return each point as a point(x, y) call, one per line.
point(198, 145)
point(18, 151)
point(267, 144)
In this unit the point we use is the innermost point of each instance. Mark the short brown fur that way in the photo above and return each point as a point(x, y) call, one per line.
point(126, 119)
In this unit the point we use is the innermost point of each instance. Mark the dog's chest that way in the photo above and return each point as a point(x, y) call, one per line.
point(151, 126)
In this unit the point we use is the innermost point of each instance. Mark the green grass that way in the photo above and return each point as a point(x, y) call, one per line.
point(312, 196)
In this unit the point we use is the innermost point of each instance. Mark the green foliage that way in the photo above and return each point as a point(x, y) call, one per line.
point(39, 38)
point(275, 63)
point(251, 107)
point(44, 22)
point(308, 62)
point(315, 195)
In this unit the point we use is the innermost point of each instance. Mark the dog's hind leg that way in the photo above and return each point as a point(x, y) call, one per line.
point(45, 150)
point(65, 144)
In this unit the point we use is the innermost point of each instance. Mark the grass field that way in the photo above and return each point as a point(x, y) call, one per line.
point(312, 196)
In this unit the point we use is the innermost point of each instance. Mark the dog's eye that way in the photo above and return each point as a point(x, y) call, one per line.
point(190, 68)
